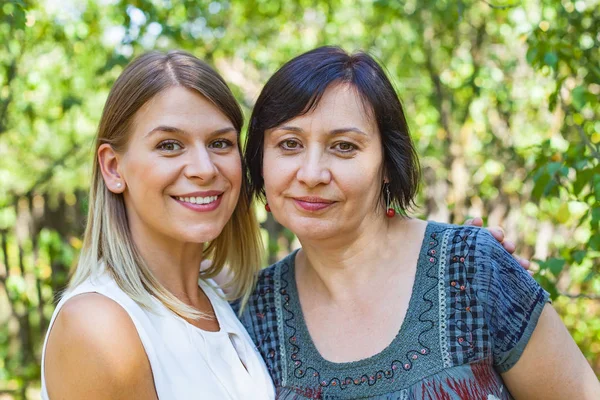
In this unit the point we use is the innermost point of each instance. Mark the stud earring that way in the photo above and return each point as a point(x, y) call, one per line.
point(119, 184)
point(267, 207)
point(390, 210)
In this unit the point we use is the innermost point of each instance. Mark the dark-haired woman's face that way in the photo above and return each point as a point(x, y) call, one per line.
point(323, 170)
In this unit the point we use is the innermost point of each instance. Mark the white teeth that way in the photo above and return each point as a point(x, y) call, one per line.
point(198, 200)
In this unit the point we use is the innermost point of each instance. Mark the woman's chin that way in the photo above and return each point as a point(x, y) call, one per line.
point(312, 229)
point(200, 234)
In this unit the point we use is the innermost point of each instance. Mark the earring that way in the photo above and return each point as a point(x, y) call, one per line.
point(119, 184)
point(390, 210)
point(267, 207)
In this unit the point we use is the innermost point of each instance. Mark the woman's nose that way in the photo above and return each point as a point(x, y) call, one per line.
point(200, 166)
point(314, 170)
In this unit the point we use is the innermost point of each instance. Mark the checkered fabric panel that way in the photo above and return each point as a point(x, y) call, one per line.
point(468, 337)
point(260, 319)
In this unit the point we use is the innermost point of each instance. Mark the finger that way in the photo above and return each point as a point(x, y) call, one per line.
point(531, 273)
point(477, 221)
point(497, 233)
point(525, 263)
point(469, 222)
point(509, 246)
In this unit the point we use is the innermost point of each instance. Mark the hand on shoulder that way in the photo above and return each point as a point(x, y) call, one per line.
point(94, 342)
point(498, 234)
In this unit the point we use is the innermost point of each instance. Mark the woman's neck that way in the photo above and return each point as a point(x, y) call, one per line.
point(176, 265)
point(343, 267)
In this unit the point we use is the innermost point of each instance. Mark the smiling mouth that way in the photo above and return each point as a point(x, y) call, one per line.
point(197, 199)
point(312, 203)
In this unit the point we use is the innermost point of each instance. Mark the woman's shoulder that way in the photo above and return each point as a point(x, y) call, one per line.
point(465, 239)
point(94, 340)
point(272, 283)
point(272, 273)
point(442, 227)
point(475, 253)
point(92, 317)
point(491, 296)
point(489, 304)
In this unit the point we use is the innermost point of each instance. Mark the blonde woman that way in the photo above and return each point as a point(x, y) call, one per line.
point(139, 319)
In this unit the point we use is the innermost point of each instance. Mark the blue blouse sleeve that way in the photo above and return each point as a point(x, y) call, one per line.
point(512, 300)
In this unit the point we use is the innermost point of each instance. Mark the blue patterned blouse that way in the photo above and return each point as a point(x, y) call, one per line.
point(471, 314)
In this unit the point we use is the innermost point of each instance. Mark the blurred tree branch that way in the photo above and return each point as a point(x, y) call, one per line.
point(11, 73)
point(580, 296)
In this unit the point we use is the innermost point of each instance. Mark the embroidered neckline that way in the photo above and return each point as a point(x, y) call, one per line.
point(385, 365)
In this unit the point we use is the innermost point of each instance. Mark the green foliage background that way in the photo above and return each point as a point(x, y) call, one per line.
point(502, 98)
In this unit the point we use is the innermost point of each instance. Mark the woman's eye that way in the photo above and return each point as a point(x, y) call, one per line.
point(289, 144)
point(169, 146)
point(344, 147)
point(221, 144)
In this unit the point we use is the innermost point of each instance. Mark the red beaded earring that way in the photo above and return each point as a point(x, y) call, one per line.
point(390, 212)
point(267, 207)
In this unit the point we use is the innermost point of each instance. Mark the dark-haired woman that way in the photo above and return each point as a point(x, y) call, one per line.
point(378, 305)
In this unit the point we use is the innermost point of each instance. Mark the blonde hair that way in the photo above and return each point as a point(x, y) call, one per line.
point(108, 244)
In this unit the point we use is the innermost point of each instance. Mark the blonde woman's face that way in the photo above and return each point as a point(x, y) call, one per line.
point(181, 169)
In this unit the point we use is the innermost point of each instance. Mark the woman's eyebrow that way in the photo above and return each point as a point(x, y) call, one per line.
point(222, 131)
point(289, 128)
point(165, 128)
point(346, 130)
point(172, 129)
point(337, 131)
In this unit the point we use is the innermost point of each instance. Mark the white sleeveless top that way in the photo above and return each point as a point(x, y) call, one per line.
point(187, 362)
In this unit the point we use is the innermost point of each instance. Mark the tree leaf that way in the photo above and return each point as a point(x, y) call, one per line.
point(551, 59)
point(579, 97)
point(540, 186)
point(553, 167)
point(555, 265)
point(579, 256)
point(595, 242)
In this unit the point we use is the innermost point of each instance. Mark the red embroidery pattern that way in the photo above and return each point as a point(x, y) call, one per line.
point(483, 383)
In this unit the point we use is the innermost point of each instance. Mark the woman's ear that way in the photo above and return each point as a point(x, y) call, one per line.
point(109, 166)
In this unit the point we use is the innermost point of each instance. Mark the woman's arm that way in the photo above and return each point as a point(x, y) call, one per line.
point(95, 353)
point(531, 347)
point(552, 366)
